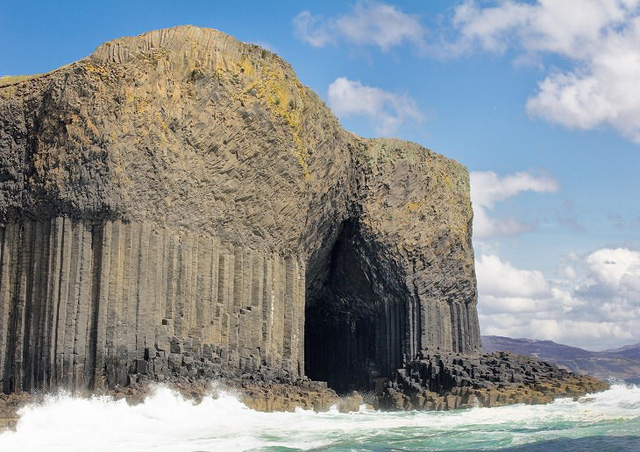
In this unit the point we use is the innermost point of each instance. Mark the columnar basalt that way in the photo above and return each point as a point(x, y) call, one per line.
point(87, 305)
point(399, 276)
point(447, 381)
point(179, 204)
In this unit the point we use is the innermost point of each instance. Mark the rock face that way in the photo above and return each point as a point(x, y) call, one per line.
point(446, 381)
point(179, 204)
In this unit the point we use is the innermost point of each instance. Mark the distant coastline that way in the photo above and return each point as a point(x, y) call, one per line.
point(622, 363)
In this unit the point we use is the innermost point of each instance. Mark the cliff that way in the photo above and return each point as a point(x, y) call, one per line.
point(178, 203)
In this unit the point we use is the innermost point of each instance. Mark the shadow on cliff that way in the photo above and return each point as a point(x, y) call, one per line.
point(355, 320)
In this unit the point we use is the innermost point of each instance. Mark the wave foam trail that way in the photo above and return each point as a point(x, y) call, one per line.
point(165, 422)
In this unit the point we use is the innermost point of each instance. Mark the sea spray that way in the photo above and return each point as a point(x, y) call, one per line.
point(165, 421)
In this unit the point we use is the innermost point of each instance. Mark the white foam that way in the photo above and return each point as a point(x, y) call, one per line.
point(167, 422)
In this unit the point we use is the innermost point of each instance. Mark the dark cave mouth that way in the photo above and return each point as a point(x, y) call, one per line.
point(354, 325)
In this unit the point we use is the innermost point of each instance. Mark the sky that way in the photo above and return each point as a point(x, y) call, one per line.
point(539, 99)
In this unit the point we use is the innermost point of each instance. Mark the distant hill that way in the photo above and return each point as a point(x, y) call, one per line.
point(628, 351)
point(622, 362)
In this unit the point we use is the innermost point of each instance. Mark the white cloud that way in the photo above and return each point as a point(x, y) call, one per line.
point(368, 23)
point(571, 28)
point(600, 39)
point(487, 189)
point(313, 29)
point(592, 335)
point(385, 109)
point(614, 267)
point(503, 280)
point(597, 306)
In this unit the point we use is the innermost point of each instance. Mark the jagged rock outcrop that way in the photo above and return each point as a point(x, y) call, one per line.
point(447, 381)
point(179, 204)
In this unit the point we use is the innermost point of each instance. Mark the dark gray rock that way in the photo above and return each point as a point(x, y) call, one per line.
point(181, 195)
point(444, 380)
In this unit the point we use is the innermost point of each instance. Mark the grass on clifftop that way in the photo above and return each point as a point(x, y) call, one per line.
point(10, 79)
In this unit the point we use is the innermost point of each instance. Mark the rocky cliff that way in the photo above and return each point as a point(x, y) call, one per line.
point(178, 203)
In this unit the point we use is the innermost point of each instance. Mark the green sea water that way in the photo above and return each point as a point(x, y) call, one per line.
point(607, 421)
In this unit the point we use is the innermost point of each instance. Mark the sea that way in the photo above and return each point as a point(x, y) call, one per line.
point(606, 421)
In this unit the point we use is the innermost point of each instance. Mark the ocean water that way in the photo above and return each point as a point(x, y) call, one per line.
point(607, 421)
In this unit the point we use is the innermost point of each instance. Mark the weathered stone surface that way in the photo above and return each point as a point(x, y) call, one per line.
point(103, 302)
point(447, 381)
point(178, 204)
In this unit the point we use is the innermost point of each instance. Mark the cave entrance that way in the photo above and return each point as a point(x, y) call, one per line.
point(354, 321)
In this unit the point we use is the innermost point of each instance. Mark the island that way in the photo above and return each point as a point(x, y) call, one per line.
point(177, 207)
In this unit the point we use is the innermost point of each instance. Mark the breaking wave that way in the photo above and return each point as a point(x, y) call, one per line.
point(167, 422)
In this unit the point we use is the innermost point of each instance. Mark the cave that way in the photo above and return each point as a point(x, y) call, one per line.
point(355, 318)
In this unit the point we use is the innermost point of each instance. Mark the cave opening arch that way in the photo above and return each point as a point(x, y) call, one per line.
point(357, 321)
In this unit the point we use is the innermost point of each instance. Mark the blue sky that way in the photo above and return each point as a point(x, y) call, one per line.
point(539, 99)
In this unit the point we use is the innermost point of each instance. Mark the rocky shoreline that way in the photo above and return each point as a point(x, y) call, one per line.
point(446, 381)
point(178, 208)
point(435, 381)
point(259, 396)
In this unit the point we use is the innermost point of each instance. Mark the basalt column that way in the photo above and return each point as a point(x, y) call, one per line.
point(179, 204)
point(85, 305)
point(399, 276)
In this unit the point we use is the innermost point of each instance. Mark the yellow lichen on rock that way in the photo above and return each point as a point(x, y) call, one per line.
point(271, 84)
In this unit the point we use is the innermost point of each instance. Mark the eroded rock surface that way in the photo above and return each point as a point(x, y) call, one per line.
point(447, 381)
point(178, 203)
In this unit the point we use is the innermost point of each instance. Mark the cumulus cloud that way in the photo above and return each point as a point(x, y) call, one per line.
point(600, 39)
point(615, 270)
point(313, 29)
point(386, 110)
point(488, 189)
point(572, 28)
point(596, 305)
point(589, 334)
point(503, 280)
point(368, 23)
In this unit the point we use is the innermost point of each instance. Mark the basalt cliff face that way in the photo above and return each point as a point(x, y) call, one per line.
point(179, 204)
